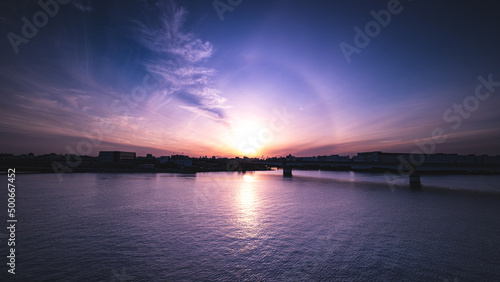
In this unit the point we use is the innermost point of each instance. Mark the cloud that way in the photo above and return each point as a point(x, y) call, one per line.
point(165, 36)
point(82, 5)
point(203, 112)
point(177, 60)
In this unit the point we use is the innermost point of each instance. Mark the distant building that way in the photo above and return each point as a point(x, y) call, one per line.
point(163, 159)
point(333, 158)
point(378, 156)
point(51, 156)
point(490, 159)
point(5, 156)
point(115, 156)
point(442, 158)
point(147, 166)
point(181, 160)
point(310, 159)
point(391, 157)
point(367, 157)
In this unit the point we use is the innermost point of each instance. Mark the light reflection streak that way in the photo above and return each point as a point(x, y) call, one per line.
point(248, 209)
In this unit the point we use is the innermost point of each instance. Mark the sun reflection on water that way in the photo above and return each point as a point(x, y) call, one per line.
point(248, 210)
point(246, 194)
point(248, 177)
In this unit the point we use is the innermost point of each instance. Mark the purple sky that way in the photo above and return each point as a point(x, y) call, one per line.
point(259, 78)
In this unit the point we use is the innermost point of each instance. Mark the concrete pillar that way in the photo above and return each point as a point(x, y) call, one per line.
point(287, 171)
point(415, 180)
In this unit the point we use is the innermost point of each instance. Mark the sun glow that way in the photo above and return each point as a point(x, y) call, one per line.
point(246, 137)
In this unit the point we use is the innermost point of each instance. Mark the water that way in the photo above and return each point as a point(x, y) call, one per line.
point(255, 226)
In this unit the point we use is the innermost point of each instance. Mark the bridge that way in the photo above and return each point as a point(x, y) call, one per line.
point(413, 172)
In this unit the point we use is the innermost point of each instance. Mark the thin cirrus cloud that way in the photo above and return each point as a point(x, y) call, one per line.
point(182, 73)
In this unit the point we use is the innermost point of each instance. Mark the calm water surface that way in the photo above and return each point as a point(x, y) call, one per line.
point(256, 226)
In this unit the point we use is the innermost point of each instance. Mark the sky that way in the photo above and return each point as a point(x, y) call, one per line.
point(249, 78)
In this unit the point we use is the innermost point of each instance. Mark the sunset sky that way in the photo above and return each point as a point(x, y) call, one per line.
point(262, 78)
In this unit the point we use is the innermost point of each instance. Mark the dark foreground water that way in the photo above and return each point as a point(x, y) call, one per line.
point(255, 226)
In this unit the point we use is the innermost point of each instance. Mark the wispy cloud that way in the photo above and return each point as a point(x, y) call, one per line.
point(178, 60)
point(82, 5)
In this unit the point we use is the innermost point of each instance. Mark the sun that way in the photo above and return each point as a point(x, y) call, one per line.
point(246, 137)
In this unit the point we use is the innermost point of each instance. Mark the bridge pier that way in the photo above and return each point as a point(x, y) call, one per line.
point(287, 172)
point(415, 180)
